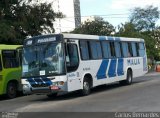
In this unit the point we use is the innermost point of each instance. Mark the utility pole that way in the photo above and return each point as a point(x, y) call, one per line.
point(77, 13)
point(59, 23)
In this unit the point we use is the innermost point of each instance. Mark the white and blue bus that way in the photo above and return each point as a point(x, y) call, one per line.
point(60, 63)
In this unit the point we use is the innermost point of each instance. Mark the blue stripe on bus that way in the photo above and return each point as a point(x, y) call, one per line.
point(102, 38)
point(120, 67)
point(112, 68)
point(31, 81)
point(101, 74)
point(47, 81)
point(110, 38)
point(117, 38)
point(39, 80)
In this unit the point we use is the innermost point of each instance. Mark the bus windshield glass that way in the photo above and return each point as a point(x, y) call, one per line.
point(43, 60)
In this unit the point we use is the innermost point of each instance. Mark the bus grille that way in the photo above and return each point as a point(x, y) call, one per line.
point(39, 85)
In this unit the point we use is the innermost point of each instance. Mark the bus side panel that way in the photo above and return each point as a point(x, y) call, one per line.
point(75, 79)
point(8, 75)
point(136, 64)
point(1, 83)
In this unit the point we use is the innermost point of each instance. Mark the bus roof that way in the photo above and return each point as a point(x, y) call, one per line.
point(3, 46)
point(58, 37)
point(96, 37)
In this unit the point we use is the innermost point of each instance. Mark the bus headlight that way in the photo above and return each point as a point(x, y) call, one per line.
point(25, 86)
point(59, 83)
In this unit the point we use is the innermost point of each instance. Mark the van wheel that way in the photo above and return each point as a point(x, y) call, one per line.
point(86, 87)
point(128, 80)
point(11, 90)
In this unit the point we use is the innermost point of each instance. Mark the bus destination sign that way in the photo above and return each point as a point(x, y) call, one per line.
point(43, 39)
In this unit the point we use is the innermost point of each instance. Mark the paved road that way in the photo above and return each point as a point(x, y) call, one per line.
point(142, 96)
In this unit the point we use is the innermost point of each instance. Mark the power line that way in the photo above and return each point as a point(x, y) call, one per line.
point(100, 15)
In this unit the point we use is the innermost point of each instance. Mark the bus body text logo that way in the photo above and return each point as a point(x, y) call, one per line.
point(132, 62)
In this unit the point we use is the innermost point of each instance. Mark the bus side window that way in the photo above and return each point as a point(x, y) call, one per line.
point(106, 49)
point(10, 59)
point(121, 49)
point(117, 49)
point(125, 49)
point(19, 56)
point(137, 49)
point(0, 64)
point(134, 49)
point(112, 49)
point(72, 58)
point(141, 49)
point(130, 52)
point(95, 50)
point(84, 50)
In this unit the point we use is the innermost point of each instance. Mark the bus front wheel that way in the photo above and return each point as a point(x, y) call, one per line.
point(86, 87)
point(11, 90)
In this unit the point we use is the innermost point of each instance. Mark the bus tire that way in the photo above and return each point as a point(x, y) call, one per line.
point(11, 90)
point(128, 80)
point(86, 87)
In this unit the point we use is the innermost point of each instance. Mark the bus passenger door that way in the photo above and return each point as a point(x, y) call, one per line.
point(72, 63)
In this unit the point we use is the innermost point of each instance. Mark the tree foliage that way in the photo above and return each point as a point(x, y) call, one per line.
point(156, 36)
point(129, 30)
point(145, 18)
point(95, 27)
point(19, 19)
point(142, 24)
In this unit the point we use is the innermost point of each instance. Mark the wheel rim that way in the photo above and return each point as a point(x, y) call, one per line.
point(129, 78)
point(12, 90)
point(86, 86)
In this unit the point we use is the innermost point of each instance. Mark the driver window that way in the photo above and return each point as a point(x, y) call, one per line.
point(0, 63)
point(72, 57)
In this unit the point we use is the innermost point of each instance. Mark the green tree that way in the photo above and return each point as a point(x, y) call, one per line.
point(142, 24)
point(19, 19)
point(156, 36)
point(95, 27)
point(129, 30)
point(144, 18)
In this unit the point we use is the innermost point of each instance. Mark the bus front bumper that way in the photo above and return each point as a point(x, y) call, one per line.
point(28, 89)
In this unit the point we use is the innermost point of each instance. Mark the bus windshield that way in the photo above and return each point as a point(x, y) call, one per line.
point(43, 60)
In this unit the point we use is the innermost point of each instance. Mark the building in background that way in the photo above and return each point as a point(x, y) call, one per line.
point(71, 10)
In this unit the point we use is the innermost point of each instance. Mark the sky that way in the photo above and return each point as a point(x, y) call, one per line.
point(114, 11)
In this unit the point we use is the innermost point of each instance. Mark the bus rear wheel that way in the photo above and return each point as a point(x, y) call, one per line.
point(128, 80)
point(11, 90)
point(86, 87)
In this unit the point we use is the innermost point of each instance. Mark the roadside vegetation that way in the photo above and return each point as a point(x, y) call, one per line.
point(22, 18)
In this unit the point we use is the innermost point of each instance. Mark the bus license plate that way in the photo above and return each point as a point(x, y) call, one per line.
point(54, 88)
